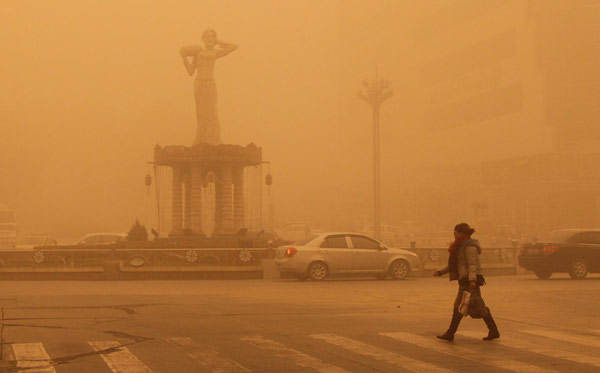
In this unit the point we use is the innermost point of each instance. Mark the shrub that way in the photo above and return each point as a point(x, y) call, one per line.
point(137, 232)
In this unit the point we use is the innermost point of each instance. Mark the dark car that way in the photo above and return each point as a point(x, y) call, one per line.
point(101, 239)
point(572, 251)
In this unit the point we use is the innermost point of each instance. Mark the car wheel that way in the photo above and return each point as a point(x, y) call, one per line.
point(579, 269)
point(543, 273)
point(399, 270)
point(318, 271)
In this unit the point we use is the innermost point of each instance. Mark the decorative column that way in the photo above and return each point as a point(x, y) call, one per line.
point(187, 187)
point(218, 209)
point(177, 205)
point(196, 199)
point(238, 198)
point(225, 199)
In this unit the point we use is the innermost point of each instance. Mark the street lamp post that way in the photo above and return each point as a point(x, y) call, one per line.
point(377, 91)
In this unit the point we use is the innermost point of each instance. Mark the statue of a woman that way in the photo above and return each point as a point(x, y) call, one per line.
point(205, 89)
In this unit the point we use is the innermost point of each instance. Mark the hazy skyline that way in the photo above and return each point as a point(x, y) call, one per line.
point(89, 88)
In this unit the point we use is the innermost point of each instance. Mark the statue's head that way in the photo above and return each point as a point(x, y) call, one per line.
point(209, 37)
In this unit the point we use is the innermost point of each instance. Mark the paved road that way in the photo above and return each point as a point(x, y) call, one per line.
point(289, 326)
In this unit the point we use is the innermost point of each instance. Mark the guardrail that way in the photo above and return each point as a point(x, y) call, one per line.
point(111, 262)
point(493, 260)
point(129, 261)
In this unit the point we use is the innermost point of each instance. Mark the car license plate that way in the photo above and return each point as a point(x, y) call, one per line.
point(534, 251)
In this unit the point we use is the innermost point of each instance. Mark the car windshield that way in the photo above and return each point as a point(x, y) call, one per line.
point(33, 241)
point(305, 240)
point(558, 236)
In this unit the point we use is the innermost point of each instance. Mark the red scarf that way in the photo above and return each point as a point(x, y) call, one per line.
point(454, 246)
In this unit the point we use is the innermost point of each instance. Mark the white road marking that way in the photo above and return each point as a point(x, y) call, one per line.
point(585, 340)
point(379, 354)
point(120, 360)
point(33, 357)
point(464, 352)
point(555, 352)
point(294, 356)
point(207, 357)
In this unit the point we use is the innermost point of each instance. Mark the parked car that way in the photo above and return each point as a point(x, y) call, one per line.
point(36, 240)
point(101, 238)
point(294, 232)
point(572, 251)
point(318, 256)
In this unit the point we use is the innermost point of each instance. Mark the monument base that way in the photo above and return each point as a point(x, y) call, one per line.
point(193, 169)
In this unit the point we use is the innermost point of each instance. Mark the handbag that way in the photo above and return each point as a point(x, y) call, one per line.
point(476, 308)
point(463, 308)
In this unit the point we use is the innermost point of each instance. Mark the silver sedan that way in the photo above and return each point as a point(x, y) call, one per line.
point(334, 253)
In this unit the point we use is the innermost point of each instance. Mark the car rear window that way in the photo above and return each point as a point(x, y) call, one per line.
point(110, 238)
point(335, 242)
point(361, 242)
point(305, 240)
point(558, 236)
point(586, 237)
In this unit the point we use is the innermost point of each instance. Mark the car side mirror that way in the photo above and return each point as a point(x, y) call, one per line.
point(381, 247)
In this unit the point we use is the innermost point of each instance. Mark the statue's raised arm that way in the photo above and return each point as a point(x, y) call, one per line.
point(225, 48)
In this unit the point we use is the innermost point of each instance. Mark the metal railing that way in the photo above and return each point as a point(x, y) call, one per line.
point(493, 260)
point(113, 259)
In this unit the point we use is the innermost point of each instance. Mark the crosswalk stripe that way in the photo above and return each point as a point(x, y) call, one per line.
point(379, 354)
point(207, 357)
point(464, 352)
point(295, 356)
point(551, 352)
point(590, 341)
point(32, 357)
point(118, 358)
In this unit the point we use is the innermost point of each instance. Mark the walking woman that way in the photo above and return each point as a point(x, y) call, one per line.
point(464, 266)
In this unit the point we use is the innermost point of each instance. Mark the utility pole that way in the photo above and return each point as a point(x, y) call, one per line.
point(377, 91)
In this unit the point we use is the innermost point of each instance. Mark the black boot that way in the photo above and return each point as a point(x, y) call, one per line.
point(493, 329)
point(449, 335)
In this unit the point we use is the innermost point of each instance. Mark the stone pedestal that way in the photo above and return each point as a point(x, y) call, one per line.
point(193, 167)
